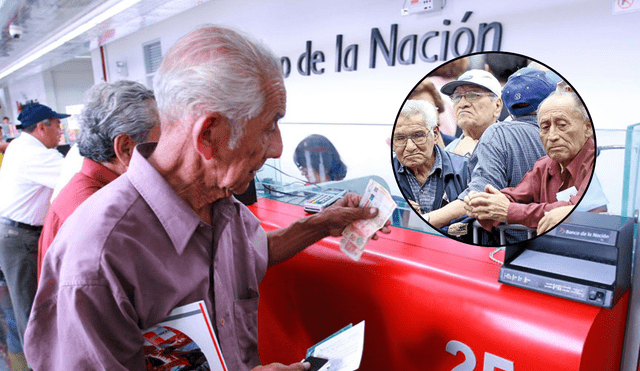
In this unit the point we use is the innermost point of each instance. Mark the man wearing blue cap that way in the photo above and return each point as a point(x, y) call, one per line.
point(29, 172)
point(507, 150)
point(558, 179)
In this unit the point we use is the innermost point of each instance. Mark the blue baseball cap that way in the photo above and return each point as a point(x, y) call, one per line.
point(526, 89)
point(33, 113)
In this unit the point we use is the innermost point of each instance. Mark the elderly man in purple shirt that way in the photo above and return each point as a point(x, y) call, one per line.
point(168, 233)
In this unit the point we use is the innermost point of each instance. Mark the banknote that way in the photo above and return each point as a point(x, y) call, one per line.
point(358, 233)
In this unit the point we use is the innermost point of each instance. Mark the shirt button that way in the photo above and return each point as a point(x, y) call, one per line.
point(222, 322)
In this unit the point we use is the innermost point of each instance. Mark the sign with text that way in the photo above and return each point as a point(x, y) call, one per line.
point(398, 48)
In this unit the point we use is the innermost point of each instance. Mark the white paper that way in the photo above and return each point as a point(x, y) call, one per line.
point(344, 351)
point(566, 194)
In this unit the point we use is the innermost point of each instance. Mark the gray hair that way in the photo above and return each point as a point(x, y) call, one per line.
point(31, 128)
point(215, 69)
point(577, 103)
point(414, 107)
point(110, 109)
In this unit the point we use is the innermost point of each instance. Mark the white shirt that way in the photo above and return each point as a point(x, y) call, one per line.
point(70, 166)
point(28, 175)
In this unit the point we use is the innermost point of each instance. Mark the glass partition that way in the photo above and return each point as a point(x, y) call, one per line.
point(307, 166)
point(631, 184)
point(610, 167)
point(365, 152)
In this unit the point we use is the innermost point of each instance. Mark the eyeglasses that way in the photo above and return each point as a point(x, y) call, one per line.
point(418, 138)
point(470, 96)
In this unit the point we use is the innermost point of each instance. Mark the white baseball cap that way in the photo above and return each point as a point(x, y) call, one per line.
point(479, 78)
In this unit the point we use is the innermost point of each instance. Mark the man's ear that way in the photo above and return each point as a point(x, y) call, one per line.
point(499, 105)
point(210, 131)
point(123, 147)
point(40, 126)
point(588, 129)
point(436, 133)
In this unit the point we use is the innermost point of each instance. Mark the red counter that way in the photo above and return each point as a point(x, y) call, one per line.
point(429, 303)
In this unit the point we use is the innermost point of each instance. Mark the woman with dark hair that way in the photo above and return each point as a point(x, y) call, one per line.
point(318, 160)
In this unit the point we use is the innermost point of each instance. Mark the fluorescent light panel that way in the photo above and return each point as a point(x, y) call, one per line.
point(94, 18)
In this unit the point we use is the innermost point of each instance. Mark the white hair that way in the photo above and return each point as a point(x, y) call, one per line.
point(414, 107)
point(215, 69)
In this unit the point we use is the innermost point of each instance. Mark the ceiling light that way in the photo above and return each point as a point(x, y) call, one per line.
point(84, 24)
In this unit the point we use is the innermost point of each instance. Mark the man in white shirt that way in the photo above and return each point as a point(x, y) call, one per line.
point(29, 172)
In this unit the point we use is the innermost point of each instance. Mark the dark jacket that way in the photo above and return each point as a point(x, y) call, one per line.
point(453, 179)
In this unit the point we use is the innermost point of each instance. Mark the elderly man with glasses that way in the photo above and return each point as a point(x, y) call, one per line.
point(476, 104)
point(427, 175)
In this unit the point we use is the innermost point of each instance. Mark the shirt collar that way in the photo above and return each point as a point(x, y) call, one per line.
point(97, 171)
point(585, 155)
point(447, 169)
point(436, 165)
point(529, 119)
point(177, 218)
point(31, 140)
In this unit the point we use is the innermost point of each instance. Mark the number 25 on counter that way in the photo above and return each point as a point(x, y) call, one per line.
point(491, 362)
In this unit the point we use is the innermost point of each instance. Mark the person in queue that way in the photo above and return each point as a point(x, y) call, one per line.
point(476, 104)
point(318, 160)
point(30, 169)
point(168, 232)
point(427, 175)
point(115, 118)
point(502, 66)
point(558, 179)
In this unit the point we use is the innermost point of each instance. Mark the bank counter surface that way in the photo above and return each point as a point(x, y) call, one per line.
point(429, 302)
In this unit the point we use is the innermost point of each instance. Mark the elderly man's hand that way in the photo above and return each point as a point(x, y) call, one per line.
point(345, 211)
point(300, 366)
point(488, 205)
point(415, 206)
point(553, 217)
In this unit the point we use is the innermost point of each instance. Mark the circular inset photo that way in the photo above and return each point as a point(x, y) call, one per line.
point(495, 148)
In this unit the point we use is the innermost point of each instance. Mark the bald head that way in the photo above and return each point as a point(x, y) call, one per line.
point(564, 126)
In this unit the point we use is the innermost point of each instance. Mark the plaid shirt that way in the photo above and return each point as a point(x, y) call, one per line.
point(425, 194)
point(505, 152)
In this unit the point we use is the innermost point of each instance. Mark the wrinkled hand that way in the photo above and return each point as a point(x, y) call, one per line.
point(345, 211)
point(553, 217)
point(488, 205)
point(300, 366)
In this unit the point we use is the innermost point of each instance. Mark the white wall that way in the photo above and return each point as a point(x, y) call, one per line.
point(70, 81)
point(582, 40)
point(596, 51)
point(29, 88)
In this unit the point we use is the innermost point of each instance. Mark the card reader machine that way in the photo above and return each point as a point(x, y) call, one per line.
point(586, 258)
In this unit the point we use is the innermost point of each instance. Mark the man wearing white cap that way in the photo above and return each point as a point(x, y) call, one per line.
point(509, 149)
point(477, 105)
point(480, 107)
